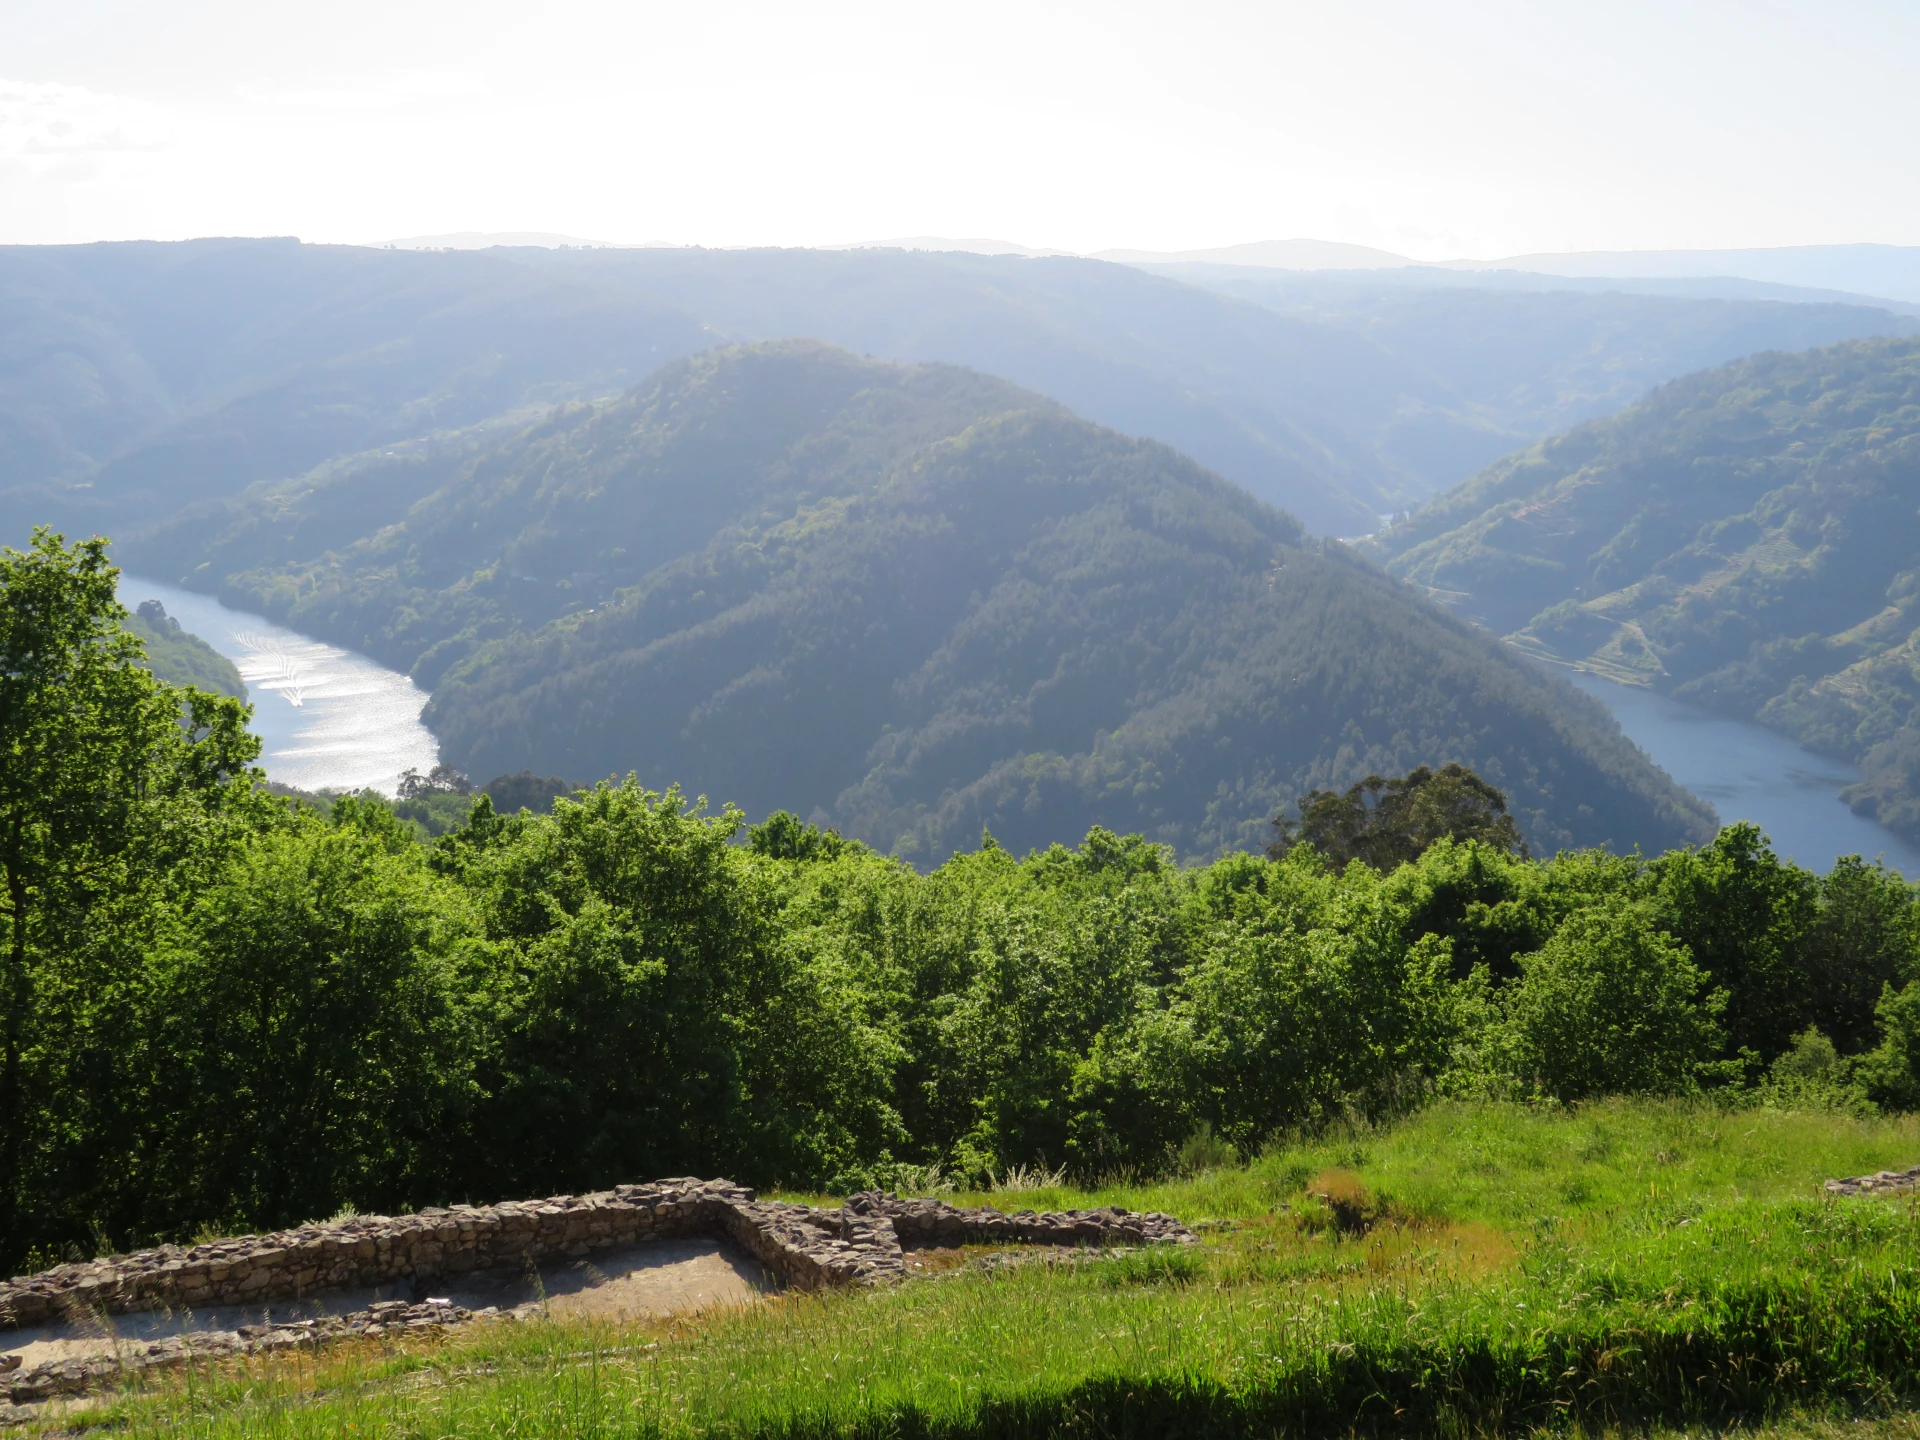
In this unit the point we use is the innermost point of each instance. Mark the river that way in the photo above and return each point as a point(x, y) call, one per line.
point(1748, 772)
point(333, 719)
point(329, 719)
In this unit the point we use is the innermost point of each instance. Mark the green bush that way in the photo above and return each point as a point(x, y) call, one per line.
point(648, 1018)
point(1608, 1006)
point(1814, 1075)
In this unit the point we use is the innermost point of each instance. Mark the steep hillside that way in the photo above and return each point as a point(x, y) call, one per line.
point(1746, 538)
point(913, 601)
point(180, 657)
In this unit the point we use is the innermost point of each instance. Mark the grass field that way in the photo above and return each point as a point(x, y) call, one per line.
point(1655, 1267)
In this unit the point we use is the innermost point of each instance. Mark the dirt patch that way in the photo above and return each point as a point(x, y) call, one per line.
point(1474, 1248)
point(657, 1279)
point(937, 1260)
point(1353, 1207)
point(665, 1277)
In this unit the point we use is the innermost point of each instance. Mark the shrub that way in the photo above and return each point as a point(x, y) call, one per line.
point(1609, 1005)
point(1813, 1075)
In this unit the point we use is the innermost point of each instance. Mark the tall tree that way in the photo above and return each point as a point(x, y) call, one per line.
point(1390, 822)
point(108, 778)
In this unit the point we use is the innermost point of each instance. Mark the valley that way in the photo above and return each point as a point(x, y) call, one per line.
point(331, 398)
point(911, 602)
point(959, 722)
point(890, 754)
point(1743, 539)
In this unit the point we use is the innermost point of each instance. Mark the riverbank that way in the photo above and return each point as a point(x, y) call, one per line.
point(331, 718)
point(328, 718)
point(1748, 772)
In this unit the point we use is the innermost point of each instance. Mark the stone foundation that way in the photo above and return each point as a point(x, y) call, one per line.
point(82, 1373)
point(861, 1243)
point(371, 1250)
point(1882, 1183)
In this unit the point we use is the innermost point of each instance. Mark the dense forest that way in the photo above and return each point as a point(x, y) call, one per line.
point(914, 601)
point(1744, 538)
point(161, 376)
point(222, 1009)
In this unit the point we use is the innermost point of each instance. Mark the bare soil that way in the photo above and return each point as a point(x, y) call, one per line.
point(667, 1277)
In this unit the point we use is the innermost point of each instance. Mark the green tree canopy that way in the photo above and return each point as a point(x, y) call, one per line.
point(115, 789)
point(1389, 822)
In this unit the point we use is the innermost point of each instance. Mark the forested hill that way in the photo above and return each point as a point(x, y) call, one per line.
point(1747, 538)
point(916, 601)
point(180, 657)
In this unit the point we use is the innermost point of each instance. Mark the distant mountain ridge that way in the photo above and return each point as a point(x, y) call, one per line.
point(1892, 271)
point(1862, 271)
point(1273, 254)
point(1858, 271)
point(1527, 363)
point(1747, 538)
point(1285, 290)
point(138, 381)
point(951, 245)
point(915, 601)
point(142, 378)
point(489, 239)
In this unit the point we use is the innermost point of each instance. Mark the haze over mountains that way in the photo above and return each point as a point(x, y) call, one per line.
point(1892, 271)
point(440, 456)
point(916, 601)
point(1886, 272)
point(143, 378)
point(1271, 254)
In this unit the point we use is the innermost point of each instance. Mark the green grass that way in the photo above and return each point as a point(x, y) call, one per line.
point(1627, 1265)
point(1507, 1165)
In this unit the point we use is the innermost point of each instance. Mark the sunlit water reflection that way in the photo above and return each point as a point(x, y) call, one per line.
point(329, 718)
point(1748, 772)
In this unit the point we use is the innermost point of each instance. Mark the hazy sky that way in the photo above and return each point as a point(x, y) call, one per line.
point(1476, 127)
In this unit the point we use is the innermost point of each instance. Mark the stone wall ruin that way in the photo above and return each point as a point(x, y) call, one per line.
point(860, 1243)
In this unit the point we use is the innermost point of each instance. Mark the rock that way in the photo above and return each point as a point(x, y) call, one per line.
point(1880, 1183)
